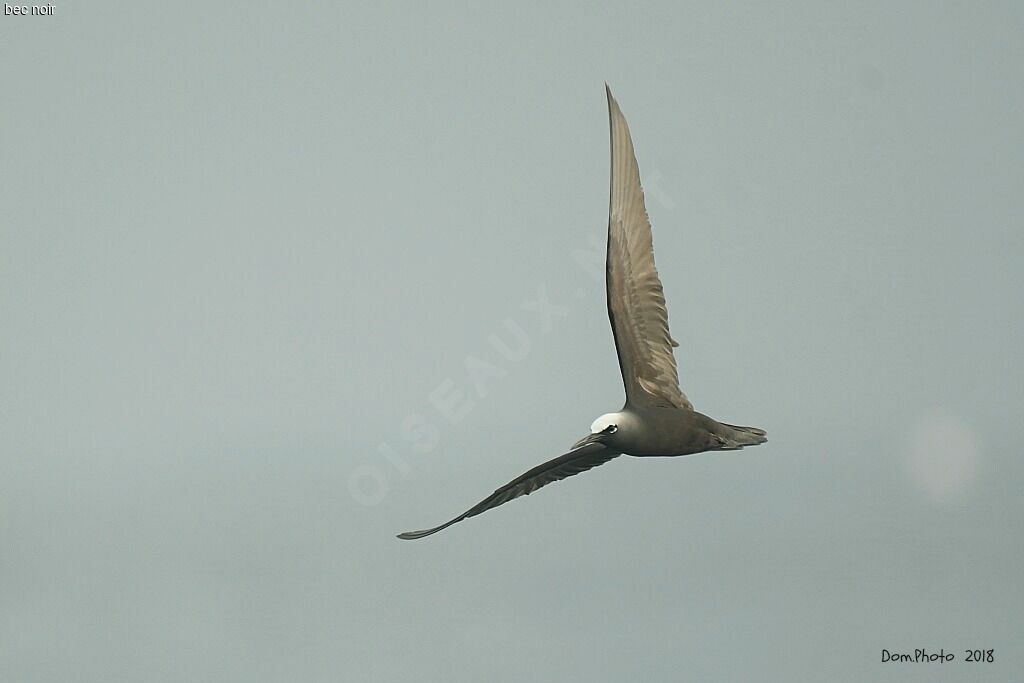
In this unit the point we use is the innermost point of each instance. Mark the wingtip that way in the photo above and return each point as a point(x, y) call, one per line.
point(614, 111)
point(413, 535)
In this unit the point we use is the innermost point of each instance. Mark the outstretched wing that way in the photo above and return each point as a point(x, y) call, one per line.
point(575, 461)
point(636, 303)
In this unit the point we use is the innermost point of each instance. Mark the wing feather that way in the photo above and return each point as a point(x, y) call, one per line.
point(636, 300)
point(575, 461)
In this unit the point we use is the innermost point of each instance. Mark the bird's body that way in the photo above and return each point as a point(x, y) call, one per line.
point(664, 431)
point(657, 419)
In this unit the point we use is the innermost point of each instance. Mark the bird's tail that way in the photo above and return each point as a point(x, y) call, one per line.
point(735, 437)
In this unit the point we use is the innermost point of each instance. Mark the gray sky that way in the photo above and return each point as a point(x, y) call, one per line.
point(248, 252)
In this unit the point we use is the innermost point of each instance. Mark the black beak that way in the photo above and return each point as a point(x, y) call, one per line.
point(591, 438)
point(588, 439)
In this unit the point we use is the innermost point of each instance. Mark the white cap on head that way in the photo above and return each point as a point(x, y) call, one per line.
point(602, 423)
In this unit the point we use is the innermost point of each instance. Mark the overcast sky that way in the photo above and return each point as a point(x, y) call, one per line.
point(280, 280)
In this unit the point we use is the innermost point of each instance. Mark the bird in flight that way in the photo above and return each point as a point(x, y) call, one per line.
point(657, 418)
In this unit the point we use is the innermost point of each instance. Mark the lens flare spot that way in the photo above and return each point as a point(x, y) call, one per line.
point(942, 457)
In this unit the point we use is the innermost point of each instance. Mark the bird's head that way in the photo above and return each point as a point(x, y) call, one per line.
point(601, 430)
point(607, 423)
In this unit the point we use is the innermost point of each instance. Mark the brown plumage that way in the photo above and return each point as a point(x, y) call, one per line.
point(657, 419)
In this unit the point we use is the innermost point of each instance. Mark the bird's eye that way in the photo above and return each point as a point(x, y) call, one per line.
point(610, 429)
